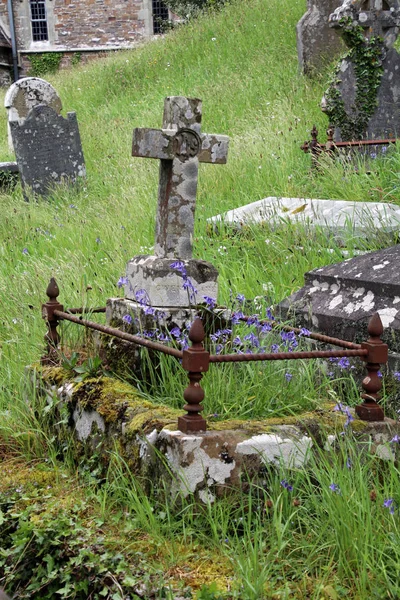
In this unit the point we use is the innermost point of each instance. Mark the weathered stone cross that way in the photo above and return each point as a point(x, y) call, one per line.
point(180, 146)
point(379, 17)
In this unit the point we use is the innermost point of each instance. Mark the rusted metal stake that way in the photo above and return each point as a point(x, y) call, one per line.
point(52, 337)
point(370, 410)
point(196, 361)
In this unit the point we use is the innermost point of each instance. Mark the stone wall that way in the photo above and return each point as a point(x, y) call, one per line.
point(84, 24)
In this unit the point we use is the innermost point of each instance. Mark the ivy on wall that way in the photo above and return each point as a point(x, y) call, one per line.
point(48, 62)
point(367, 56)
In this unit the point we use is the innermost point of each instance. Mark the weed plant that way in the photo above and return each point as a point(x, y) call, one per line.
point(326, 532)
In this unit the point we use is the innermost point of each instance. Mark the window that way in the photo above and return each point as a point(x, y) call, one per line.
point(38, 21)
point(160, 16)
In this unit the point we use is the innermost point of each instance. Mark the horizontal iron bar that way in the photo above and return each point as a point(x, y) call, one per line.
point(314, 336)
point(128, 337)
point(219, 358)
point(80, 311)
point(364, 143)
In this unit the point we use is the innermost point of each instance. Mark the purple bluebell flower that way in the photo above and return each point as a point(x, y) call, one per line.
point(379, 373)
point(384, 149)
point(265, 327)
point(175, 332)
point(285, 484)
point(373, 155)
point(253, 320)
point(253, 339)
point(335, 488)
point(274, 348)
point(288, 376)
point(219, 348)
point(122, 281)
point(241, 298)
point(127, 319)
point(396, 375)
point(25, 251)
point(349, 464)
point(98, 240)
point(304, 332)
point(395, 439)
point(270, 315)
point(149, 310)
point(236, 341)
point(178, 266)
point(344, 363)
point(210, 302)
point(390, 504)
point(237, 317)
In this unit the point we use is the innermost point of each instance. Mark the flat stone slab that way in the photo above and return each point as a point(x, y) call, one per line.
point(339, 299)
point(341, 218)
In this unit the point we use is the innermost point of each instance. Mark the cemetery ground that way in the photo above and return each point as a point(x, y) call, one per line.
point(69, 529)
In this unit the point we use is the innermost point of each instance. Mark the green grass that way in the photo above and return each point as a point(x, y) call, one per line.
point(242, 62)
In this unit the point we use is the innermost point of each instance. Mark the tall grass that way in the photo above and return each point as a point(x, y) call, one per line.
point(314, 541)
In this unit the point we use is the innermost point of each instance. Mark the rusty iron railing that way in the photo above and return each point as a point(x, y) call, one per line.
point(330, 147)
point(196, 359)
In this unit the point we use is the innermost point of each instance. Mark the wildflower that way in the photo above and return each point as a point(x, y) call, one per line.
point(304, 332)
point(252, 339)
point(373, 155)
point(335, 488)
point(178, 266)
point(237, 317)
point(384, 149)
point(253, 320)
point(349, 464)
point(236, 341)
point(285, 484)
point(241, 298)
point(127, 319)
point(210, 302)
point(98, 240)
point(122, 281)
point(274, 348)
point(288, 377)
point(176, 332)
point(25, 251)
point(269, 315)
point(395, 439)
point(265, 327)
point(344, 363)
point(396, 375)
point(389, 503)
point(149, 310)
point(379, 374)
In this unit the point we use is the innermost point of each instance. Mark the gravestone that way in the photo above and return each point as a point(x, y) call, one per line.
point(339, 299)
point(180, 146)
point(317, 43)
point(171, 283)
point(25, 94)
point(340, 219)
point(364, 100)
point(48, 150)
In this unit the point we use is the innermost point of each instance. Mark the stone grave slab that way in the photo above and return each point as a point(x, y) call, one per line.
point(317, 43)
point(26, 93)
point(48, 150)
point(341, 219)
point(339, 299)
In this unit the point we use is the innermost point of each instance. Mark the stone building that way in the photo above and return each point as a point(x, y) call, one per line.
point(72, 30)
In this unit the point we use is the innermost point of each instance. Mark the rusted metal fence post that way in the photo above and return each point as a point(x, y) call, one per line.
point(370, 410)
point(52, 337)
point(196, 361)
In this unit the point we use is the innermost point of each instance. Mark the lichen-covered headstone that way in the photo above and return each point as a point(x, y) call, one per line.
point(48, 150)
point(317, 43)
point(363, 101)
point(26, 93)
point(180, 146)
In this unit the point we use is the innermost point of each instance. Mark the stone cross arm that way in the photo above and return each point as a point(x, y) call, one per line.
point(167, 144)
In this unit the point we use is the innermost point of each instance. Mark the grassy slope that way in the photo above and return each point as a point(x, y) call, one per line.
point(330, 545)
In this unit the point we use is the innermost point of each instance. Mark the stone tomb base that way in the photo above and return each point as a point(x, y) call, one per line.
point(104, 414)
point(339, 299)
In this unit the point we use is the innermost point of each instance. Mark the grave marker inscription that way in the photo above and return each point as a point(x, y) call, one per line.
point(48, 149)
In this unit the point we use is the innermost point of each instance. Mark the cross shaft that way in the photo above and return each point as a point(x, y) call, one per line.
point(180, 146)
